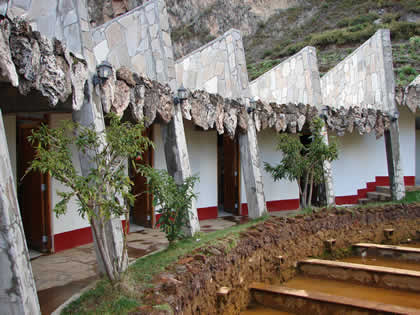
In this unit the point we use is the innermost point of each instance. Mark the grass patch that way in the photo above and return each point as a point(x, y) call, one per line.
point(127, 297)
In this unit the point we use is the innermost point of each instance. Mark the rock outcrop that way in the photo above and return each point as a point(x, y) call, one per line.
point(30, 61)
point(410, 95)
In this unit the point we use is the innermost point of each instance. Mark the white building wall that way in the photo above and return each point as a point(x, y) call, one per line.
point(407, 124)
point(417, 157)
point(361, 158)
point(71, 220)
point(202, 150)
point(274, 190)
point(10, 128)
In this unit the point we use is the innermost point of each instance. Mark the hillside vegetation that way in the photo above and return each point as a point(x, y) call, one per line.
point(336, 28)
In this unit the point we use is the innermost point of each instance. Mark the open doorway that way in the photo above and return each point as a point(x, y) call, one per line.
point(228, 178)
point(33, 190)
point(143, 213)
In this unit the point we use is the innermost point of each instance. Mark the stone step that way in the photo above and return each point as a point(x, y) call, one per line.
point(378, 196)
point(385, 277)
point(300, 301)
point(383, 189)
point(363, 201)
point(389, 251)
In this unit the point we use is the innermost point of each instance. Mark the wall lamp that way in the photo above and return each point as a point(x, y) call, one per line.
point(181, 96)
point(324, 112)
point(395, 115)
point(252, 105)
point(103, 73)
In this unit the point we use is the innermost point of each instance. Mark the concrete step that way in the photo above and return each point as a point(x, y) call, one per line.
point(304, 301)
point(378, 196)
point(389, 251)
point(363, 201)
point(385, 277)
point(383, 189)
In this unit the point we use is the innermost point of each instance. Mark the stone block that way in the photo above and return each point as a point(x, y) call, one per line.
point(101, 51)
point(70, 18)
point(114, 34)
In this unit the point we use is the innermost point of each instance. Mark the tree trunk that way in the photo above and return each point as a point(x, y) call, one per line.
point(90, 116)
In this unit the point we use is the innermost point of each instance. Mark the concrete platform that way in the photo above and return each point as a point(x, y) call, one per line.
point(305, 302)
point(384, 277)
point(389, 251)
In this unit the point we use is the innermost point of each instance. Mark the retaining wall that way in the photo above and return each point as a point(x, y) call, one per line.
point(255, 256)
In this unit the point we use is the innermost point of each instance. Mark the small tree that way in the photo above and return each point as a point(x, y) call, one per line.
point(304, 163)
point(106, 191)
point(175, 200)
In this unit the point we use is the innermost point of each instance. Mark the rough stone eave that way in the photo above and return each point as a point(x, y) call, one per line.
point(409, 96)
point(30, 61)
point(150, 101)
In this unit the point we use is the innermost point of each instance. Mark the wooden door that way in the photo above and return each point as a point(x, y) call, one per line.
point(33, 190)
point(231, 175)
point(143, 211)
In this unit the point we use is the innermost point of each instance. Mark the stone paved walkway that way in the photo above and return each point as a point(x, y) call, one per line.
point(59, 276)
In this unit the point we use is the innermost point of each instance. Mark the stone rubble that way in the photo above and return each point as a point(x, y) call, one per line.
point(40, 64)
point(410, 95)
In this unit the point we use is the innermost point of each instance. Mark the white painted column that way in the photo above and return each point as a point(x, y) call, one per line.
point(17, 285)
point(395, 171)
point(177, 160)
point(328, 174)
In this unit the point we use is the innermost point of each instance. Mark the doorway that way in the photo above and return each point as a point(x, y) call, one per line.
point(33, 191)
point(228, 178)
point(143, 212)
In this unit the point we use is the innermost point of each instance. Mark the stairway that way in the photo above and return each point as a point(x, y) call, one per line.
point(381, 194)
point(379, 279)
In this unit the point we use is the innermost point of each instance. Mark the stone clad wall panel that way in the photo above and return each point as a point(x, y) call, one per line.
point(295, 80)
point(218, 67)
point(61, 19)
point(139, 40)
point(362, 79)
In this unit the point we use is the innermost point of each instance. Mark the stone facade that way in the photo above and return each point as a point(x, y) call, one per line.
point(218, 67)
point(359, 80)
point(295, 80)
point(139, 40)
point(65, 20)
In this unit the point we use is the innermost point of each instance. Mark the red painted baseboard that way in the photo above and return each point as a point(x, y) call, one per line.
point(371, 186)
point(282, 205)
point(207, 213)
point(71, 239)
point(276, 205)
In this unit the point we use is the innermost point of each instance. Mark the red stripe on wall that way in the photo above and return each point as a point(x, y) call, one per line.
point(207, 213)
point(371, 186)
point(71, 239)
point(282, 205)
point(276, 205)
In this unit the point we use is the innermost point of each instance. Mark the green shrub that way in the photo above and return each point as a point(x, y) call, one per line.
point(404, 30)
point(175, 200)
point(415, 42)
point(360, 19)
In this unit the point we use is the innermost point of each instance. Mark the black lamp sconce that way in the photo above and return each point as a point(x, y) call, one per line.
point(181, 96)
point(103, 73)
point(252, 105)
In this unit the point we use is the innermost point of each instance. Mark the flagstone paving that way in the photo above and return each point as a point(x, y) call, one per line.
point(59, 276)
